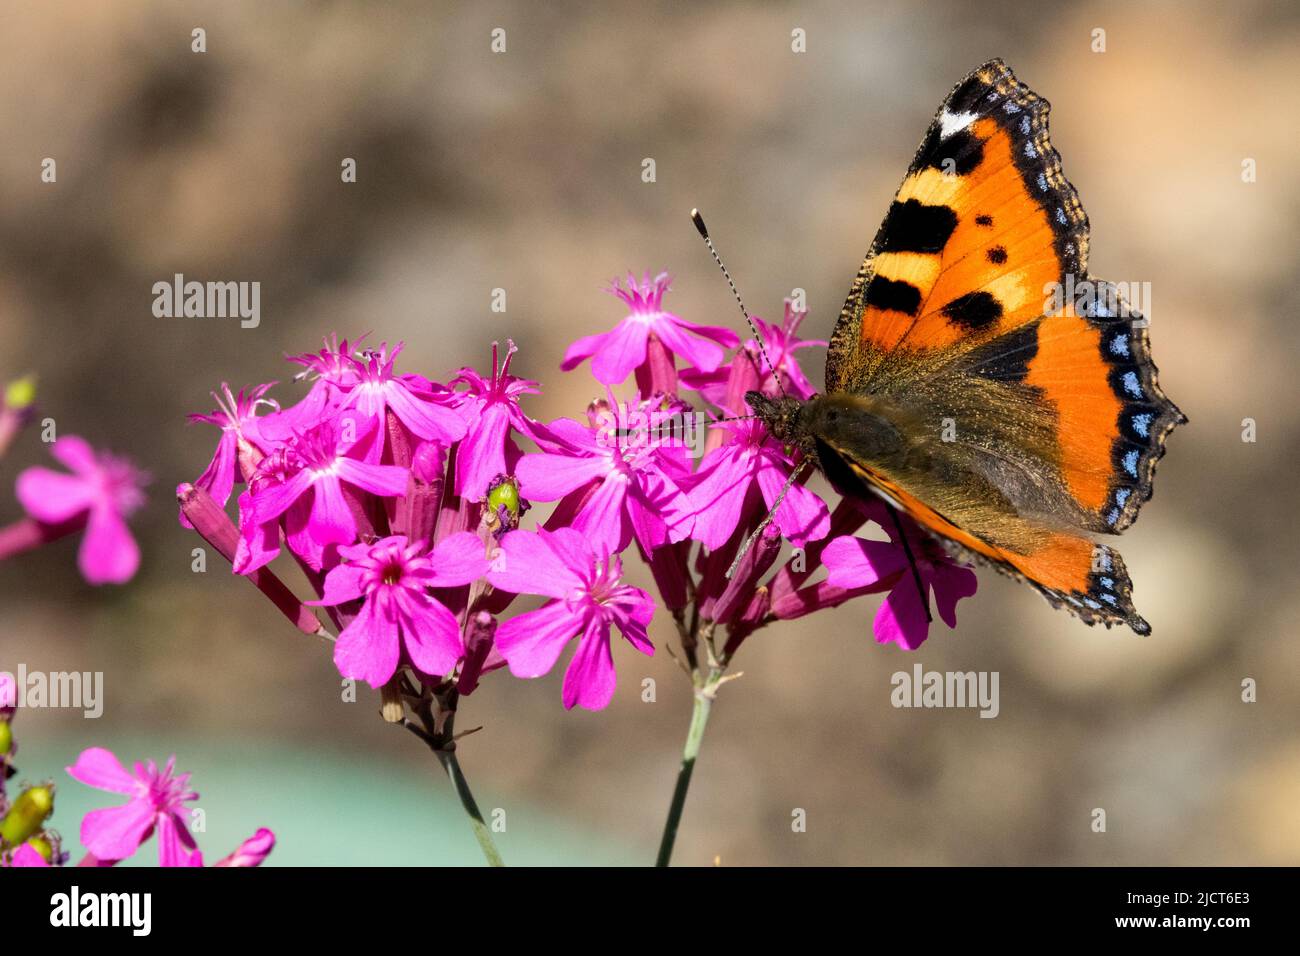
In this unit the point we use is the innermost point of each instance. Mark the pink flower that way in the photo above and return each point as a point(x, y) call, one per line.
point(781, 344)
point(629, 472)
point(27, 855)
point(103, 489)
point(253, 851)
point(623, 348)
point(588, 597)
point(727, 473)
point(426, 411)
point(157, 804)
point(399, 614)
point(853, 562)
point(491, 409)
point(236, 416)
point(321, 456)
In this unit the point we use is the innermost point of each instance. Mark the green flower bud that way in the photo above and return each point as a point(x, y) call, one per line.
point(27, 815)
point(506, 493)
point(21, 392)
point(43, 847)
point(6, 737)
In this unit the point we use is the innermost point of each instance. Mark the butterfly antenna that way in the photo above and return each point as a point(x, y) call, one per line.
point(704, 233)
point(916, 572)
point(767, 520)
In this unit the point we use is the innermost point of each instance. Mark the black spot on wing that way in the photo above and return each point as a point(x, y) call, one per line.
point(983, 220)
point(893, 295)
point(974, 310)
point(997, 255)
point(913, 226)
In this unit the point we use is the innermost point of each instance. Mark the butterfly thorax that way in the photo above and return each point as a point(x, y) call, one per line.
point(838, 421)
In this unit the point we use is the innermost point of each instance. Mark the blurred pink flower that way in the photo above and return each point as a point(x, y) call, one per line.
point(157, 804)
point(103, 489)
point(27, 855)
point(399, 614)
point(619, 351)
point(588, 597)
point(253, 851)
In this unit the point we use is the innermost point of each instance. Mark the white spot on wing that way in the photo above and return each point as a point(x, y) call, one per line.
point(950, 123)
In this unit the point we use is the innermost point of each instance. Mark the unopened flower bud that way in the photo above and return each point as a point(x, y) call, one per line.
point(391, 707)
point(20, 393)
point(504, 492)
point(42, 846)
point(28, 814)
point(6, 737)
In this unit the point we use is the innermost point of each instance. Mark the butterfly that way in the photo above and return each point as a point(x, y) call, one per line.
point(965, 384)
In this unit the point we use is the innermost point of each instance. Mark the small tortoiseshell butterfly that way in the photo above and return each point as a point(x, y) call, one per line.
point(1008, 425)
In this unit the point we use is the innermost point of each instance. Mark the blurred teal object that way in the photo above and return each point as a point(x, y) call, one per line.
point(327, 808)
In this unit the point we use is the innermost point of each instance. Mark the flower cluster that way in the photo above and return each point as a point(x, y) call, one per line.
point(405, 502)
point(156, 807)
point(96, 495)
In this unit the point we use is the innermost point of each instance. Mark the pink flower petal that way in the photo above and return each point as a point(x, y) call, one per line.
point(623, 350)
point(590, 679)
point(527, 564)
point(115, 833)
point(108, 553)
point(432, 635)
point(27, 855)
point(368, 648)
point(458, 559)
point(480, 457)
point(581, 350)
point(52, 496)
point(901, 617)
point(531, 643)
point(430, 420)
point(342, 584)
point(387, 481)
point(99, 768)
point(547, 477)
point(332, 521)
point(76, 454)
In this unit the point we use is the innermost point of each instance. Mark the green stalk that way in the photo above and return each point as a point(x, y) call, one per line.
point(481, 832)
point(694, 737)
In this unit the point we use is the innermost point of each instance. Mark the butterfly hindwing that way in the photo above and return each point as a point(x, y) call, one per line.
point(957, 323)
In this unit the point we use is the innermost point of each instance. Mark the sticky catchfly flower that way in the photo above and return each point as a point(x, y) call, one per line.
point(589, 597)
point(491, 410)
point(853, 562)
point(616, 353)
point(103, 490)
point(156, 805)
point(399, 615)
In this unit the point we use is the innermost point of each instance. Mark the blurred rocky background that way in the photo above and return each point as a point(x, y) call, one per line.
point(522, 170)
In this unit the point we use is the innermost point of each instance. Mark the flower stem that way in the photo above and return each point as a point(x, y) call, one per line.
point(481, 832)
point(694, 737)
point(437, 734)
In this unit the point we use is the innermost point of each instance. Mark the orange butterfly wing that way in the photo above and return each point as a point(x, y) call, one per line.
point(963, 307)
